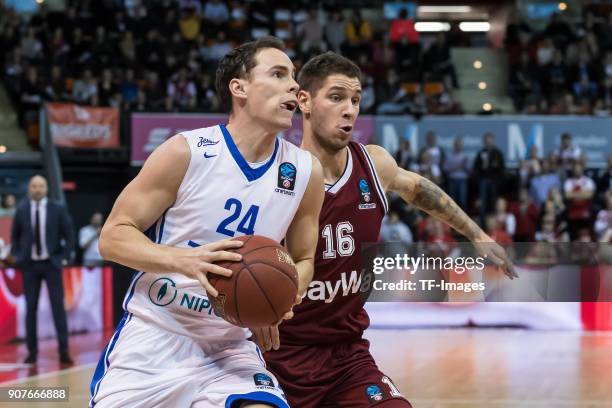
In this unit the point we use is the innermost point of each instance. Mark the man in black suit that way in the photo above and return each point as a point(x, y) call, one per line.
point(42, 242)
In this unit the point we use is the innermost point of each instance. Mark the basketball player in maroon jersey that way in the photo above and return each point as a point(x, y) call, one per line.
point(323, 360)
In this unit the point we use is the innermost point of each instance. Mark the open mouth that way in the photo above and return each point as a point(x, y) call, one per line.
point(289, 105)
point(346, 128)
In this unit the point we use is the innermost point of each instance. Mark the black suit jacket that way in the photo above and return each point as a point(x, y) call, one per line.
point(58, 234)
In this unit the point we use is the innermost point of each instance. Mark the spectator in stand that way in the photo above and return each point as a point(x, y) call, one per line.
point(496, 231)
point(189, 24)
point(523, 82)
point(156, 93)
point(358, 36)
point(394, 230)
point(88, 240)
point(505, 220)
point(207, 96)
point(489, 168)
point(545, 53)
point(129, 89)
point(9, 203)
point(182, 92)
point(541, 184)
point(568, 154)
point(436, 153)
point(31, 47)
point(31, 99)
point(526, 214)
point(604, 181)
point(103, 49)
point(80, 48)
point(524, 45)
point(151, 50)
point(368, 96)
point(428, 169)
point(85, 88)
point(559, 31)
point(108, 91)
point(403, 156)
point(58, 48)
point(127, 47)
point(437, 61)
point(216, 16)
point(335, 33)
point(218, 48)
point(579, 191)
point(530, 167)
point(457, 169)
point(311, 34)
point(555, 76)
point(585, 76)
point(550, 231)
point(405, 39)
point(603, 222)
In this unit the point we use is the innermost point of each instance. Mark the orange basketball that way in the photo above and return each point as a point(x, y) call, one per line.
point(262, 288)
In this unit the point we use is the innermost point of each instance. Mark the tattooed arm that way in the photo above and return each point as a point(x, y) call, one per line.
point(416, 189)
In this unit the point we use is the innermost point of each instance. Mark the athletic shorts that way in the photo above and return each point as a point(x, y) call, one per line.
point(146, 366)
point(339, 375)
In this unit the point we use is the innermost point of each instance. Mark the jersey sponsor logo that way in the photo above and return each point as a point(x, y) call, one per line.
point(366, 196)
point(286, 178)
point(374, 393)
point(347, 285)
point(162, 291)
point(208, 156)
point(206, 142)
point(263, 380)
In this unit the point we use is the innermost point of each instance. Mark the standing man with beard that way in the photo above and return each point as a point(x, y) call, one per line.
point(323, 360)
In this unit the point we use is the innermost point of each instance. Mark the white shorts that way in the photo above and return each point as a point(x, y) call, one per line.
point(146, 366)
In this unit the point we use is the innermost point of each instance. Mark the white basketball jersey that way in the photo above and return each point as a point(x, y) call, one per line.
point(221, 196)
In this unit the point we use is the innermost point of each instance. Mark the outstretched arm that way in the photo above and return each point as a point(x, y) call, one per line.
point(416, 189)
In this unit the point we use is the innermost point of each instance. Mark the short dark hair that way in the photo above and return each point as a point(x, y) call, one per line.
point(238, 63)
point(317, 69)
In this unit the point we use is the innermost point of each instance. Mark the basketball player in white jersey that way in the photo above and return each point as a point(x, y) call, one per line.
point(196, 191)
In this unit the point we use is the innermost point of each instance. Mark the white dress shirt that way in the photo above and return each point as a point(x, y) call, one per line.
point(42, 218)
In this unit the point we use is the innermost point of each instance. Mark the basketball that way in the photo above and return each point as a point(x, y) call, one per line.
point(262, 287)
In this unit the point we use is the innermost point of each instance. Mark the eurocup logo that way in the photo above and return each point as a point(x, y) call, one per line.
point(286, 176)
point(374, 393)
point(366, 196)
point(162, 292)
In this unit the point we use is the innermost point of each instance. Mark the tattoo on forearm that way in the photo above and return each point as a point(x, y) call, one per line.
point(431, 199)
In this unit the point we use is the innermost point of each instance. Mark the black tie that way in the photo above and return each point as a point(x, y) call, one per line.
point(37, 230)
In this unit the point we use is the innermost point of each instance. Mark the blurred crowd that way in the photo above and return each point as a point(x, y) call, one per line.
point(551, 198)
point(566, 68)
point(162, 55)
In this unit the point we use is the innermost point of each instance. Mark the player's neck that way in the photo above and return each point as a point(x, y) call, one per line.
point(332, 161)
point(253, 141)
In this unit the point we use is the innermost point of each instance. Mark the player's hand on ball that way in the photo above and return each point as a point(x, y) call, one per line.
point(198, 262)
point(490, 249)
point(267, 338)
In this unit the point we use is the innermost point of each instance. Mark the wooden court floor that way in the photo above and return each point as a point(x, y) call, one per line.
point(441, 368)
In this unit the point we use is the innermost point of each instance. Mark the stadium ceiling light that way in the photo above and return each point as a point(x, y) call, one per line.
point(474, 26)
point(487, 107)
point(2, 149)
point(431, 26)
point(562, 6)
point(482, 85)
point(444, 9)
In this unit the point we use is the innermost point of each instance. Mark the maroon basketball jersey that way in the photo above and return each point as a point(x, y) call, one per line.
point(332, 310)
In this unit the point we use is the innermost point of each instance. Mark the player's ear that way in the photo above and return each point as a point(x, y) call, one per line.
point(304, 102)
point(237, 88)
